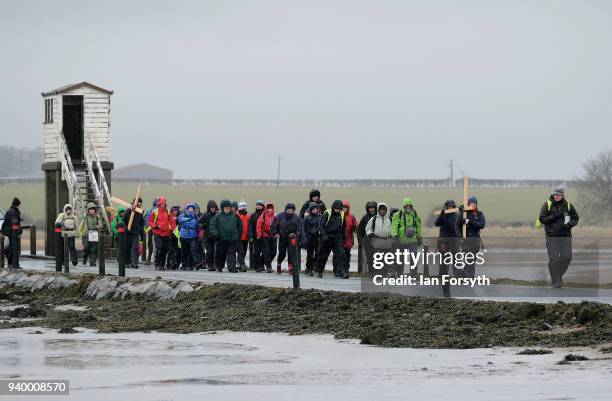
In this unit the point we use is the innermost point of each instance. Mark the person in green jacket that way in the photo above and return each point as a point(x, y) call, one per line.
point(406, 230)
point(226, 228)
point(116, 220)
point(90, 230)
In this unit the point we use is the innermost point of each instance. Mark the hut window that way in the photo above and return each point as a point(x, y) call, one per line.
point(48, 111)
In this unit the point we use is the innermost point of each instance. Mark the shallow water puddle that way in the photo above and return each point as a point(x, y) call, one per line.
point(161, 366)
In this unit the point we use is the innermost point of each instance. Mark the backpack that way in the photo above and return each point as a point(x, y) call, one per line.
point(538, 223)
point(414, 221)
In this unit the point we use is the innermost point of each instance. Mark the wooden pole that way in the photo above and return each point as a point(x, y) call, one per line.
point(465, 205)
point(33, 240)
point(129, 227)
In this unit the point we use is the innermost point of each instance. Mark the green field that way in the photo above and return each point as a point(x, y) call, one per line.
point(503, 206)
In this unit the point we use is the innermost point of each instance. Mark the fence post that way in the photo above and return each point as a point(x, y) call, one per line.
point(102, 255)
point(33, 240)
point(294, 260)
point(121, 245)
point(143, 255)
point(66, 255)
point(1, 251)
point(15, 245)
point(59, 247)
point(425, 262)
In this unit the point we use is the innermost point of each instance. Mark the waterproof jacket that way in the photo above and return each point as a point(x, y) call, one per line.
point(310, 228)
point(188, 223)
point(207, 217)
point(11, 215)
point(90, 223)
point(406, 221)
point(264, 223)
point(379, 225)
point(333, 225)
point(253, 224)
point(448, 223)
point(116, 220)
point(285, 224)
point(68, 222)
point(365, 219)
point(476, 223)
point(245, 218)
point(306, 205)
point(225, 226)
point(162, 222)
point(350, 222)
point(138, 223)
point(554, 218)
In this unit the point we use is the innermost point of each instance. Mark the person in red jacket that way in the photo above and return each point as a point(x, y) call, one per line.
point(243, 245)
point(163, 224)
point(268, 241)
point(351, 228)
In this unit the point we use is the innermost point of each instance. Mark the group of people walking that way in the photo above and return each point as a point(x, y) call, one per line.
point(221, 236)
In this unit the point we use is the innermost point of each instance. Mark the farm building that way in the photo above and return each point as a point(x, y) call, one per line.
point(143, 171)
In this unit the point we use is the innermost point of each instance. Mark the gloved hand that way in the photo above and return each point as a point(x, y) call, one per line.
point(277, 236)
point(201, 235)
point(140, 249)
point(566, 226)
point(442, 212)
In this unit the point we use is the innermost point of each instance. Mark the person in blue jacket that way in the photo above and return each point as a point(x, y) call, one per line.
point(188, 223)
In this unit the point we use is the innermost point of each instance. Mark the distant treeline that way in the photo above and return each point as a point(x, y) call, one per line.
point(19, 162)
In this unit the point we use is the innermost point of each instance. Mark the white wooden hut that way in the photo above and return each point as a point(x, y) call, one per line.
point(80, 113)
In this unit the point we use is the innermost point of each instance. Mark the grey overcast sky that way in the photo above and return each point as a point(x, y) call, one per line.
point(340, 89)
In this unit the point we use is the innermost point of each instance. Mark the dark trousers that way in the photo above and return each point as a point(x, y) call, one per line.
point(90, 251)
point(470, 246)
point(335, 245)
point(559, 257)
point(312, 251)
point(243, 247)
point(178, 255)
point(131, 252)
point(283, 244)
point(189, 252)
point(257, 259)
point(347, 258)
point(412, 248)
point(72, 250)
point(446, 245)
point(226, 250)
point(162, 247)
point(269, 250)
point(209, 245)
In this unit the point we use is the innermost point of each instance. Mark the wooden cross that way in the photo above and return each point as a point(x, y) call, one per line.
point(455, 209)
point(129, 205)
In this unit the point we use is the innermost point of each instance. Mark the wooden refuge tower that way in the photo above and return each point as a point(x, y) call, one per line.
point(77, 149)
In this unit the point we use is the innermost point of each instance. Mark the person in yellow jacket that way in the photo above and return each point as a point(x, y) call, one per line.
point(406, 230)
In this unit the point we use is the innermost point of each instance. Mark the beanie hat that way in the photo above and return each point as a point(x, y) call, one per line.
point(242, 205)
point(559, 191)
point(472, 199)
point(15, 202)
point(290, 206)
point(260, 203)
